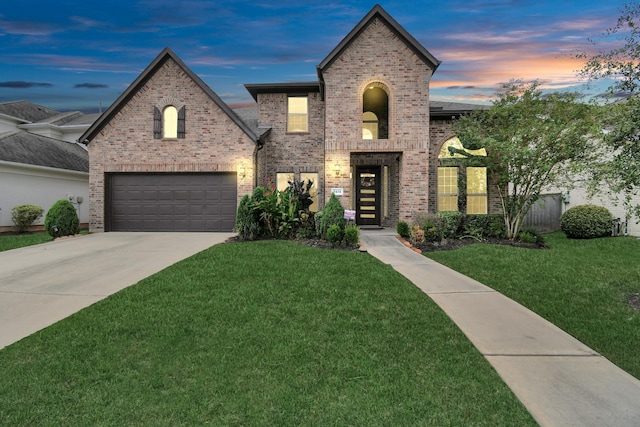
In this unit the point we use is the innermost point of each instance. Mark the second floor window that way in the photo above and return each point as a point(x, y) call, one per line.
point(297, 114)
point(169, 123)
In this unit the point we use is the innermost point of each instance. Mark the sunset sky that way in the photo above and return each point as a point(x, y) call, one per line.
point(80, 55)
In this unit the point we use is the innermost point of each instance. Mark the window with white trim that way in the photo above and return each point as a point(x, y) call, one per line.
point(297, 114)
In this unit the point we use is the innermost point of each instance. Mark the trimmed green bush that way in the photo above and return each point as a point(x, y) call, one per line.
point(25, 215)
point(586, 222)
point(352, 235)
point(402, 228)
point(62, 219)
point(531, 235)
point(247, 223)
point(332, 214)
point(334, 234)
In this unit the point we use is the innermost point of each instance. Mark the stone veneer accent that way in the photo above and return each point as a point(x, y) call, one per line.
point(213, 142)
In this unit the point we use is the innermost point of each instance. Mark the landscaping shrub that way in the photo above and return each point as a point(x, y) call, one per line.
point(484, 226)
point(62, 219)
point(449, 223)
point(531, 235)
point(25, 215)
point(352, 235)
point(586, 222)
point(334, 234)
point(402, 228)
point(417, 235)
point(332, 214)
point(247, 223)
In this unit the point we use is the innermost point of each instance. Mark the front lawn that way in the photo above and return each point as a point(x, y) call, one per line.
point(257, 333)
point(14, 241)
point(586, 287)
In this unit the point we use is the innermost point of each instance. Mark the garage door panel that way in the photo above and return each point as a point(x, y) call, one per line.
point(171, 202)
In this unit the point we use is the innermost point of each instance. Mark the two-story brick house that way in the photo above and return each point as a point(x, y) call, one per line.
point(169, 154)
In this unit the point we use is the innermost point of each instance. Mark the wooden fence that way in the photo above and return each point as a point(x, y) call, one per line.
point(545, 213)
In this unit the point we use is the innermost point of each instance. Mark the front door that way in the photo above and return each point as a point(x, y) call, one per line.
point(368, 195)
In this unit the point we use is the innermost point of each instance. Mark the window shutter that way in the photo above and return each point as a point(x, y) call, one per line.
point(157, 123)
point(181, 118)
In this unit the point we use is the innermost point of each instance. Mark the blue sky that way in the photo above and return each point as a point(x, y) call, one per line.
point(79, 54)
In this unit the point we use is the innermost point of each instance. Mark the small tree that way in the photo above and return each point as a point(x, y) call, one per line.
point(25, 215)
point(532, 141)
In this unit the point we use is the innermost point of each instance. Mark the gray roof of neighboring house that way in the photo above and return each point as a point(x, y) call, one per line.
point(28, 148)
point(446, 109)
point(27, 111)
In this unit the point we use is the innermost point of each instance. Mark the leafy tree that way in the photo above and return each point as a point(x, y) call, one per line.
point(620, 63)
point(532, 141)
point(619, 167)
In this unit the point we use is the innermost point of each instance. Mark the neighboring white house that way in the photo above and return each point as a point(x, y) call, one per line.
point(40, 162)
point(579, 196)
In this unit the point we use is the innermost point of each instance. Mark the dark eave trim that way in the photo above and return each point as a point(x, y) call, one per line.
point(289, 88)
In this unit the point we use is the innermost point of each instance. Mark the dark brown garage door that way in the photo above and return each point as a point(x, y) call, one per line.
point(170, 202)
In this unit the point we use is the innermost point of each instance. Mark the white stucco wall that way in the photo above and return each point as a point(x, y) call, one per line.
point(25, 184)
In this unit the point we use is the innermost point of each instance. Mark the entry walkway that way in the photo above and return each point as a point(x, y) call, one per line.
point(560, 381)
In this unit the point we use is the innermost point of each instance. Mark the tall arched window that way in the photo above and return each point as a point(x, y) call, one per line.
point(375, 103)
point(472, 195)
point(170, 122)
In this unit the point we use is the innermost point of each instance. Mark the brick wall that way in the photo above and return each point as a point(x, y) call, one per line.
point(378, 57)
point(290, 151)
point(213, 142)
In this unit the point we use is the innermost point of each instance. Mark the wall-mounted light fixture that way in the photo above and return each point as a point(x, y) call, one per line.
point(336, 169)
point(242, 171)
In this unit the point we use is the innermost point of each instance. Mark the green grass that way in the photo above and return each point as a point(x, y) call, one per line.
point(582, 286)
point(257, 333)
point(15, 241)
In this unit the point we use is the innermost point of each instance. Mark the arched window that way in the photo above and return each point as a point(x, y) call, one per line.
point(170, 122)
point(453, 171)
point(375, 103)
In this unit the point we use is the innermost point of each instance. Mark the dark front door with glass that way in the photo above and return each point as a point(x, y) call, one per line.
point(368, 195)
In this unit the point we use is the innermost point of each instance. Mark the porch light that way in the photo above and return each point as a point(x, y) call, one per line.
point(336, 169)
point(241, 171)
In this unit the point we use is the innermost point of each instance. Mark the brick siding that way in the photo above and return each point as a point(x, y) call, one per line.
point(213, 142)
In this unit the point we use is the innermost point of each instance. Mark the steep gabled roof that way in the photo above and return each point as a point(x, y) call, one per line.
point(141, 80)
point(31, 149)
point(379, 12)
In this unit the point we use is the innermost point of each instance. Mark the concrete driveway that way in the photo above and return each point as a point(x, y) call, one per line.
point(42, 284)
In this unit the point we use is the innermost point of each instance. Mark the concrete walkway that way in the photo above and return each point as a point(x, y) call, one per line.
point(560, 381)
point(42, 284)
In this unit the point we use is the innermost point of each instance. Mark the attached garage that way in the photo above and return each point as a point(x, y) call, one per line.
point(170, 201)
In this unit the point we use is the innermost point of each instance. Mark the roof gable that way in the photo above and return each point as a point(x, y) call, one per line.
point(379, 12)
point(141, 80)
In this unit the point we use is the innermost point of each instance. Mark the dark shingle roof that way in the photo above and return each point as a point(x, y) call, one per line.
point(27, 111)
point(32, 149)
point(249, 115)
point(446, 109)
